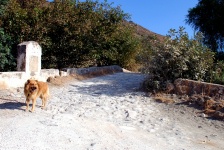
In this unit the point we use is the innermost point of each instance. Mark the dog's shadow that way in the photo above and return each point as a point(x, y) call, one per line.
point(11, 104)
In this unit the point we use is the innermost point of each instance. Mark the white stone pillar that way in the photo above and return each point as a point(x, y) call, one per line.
point(29, 58)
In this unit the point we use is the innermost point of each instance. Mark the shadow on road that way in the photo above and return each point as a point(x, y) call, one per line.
point(11, 104)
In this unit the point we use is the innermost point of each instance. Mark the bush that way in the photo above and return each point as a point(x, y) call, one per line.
point(6, 57)
point(217, 74)
point(179, 57)
point(148, 44)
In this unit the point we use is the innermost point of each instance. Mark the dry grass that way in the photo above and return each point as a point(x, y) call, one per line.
point(163, 99)
point(212, 108)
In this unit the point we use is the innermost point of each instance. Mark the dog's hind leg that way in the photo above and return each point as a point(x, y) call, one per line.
point(44, 98)
point(44, 101)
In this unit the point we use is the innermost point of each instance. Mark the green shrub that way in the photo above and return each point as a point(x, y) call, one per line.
point(217, 73)
point(148, 45)
point(179, 57)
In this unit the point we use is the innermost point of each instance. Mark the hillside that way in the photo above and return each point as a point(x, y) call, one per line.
point(141, 31)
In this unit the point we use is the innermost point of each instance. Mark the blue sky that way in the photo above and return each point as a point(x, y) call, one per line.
point(158, 16)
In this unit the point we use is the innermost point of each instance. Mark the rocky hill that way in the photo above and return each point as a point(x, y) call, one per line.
point(141, 31)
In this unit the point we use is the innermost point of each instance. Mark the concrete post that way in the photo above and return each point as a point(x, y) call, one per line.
point(29, 58)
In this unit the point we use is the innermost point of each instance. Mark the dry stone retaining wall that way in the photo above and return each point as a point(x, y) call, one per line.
point(190, 87)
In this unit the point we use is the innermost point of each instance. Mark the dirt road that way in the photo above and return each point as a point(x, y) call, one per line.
point(106, 112)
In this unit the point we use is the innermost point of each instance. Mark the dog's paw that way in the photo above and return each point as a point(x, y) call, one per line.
point(43, 107)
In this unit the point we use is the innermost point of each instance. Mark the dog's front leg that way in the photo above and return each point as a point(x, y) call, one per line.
point(27, 104)
point(34, 104)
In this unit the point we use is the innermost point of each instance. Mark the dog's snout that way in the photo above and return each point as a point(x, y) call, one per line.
point(33, 89)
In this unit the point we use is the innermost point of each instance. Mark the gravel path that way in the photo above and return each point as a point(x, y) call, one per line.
point(104, 113)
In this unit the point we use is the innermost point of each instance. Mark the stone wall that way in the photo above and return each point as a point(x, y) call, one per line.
point(17, 79)
point(190, 87)
point(93, 70)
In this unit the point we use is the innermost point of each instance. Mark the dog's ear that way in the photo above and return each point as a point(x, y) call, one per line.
point(28, 81)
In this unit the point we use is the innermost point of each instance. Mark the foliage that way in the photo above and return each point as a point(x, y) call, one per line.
point(7, 61)
point(148, 45)
point(24, 20)
point(6, 57)
point(217, 73)
point(208, 18)
point(121, 49)
point(179, 57)
point(3, 3)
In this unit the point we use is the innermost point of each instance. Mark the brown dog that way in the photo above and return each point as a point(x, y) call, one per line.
point(34, 89)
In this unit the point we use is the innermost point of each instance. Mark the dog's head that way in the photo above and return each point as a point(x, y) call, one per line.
point(32, 85)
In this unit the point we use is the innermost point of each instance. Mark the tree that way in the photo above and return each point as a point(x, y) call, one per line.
point(83, 34)
point(25, 20)
point(6, 57)
point(208, 18)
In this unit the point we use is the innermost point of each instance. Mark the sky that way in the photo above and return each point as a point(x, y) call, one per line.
point(158, 16)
